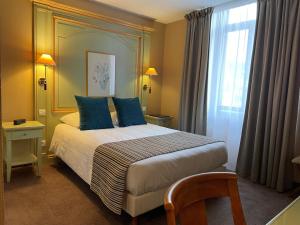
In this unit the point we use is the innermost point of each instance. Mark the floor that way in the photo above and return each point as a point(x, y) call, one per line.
point(60, 197)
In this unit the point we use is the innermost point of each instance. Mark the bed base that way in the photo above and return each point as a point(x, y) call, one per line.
point(138, 205)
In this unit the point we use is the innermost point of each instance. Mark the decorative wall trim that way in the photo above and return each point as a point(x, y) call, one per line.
point(84, 24)
point(139, 39)
point(87, 13)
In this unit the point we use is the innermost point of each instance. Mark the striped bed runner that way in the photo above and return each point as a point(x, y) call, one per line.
point(112, 160)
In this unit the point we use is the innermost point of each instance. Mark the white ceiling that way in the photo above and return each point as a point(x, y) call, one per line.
point(164, 11)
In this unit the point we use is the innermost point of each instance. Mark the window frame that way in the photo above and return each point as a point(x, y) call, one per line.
point(248, 25)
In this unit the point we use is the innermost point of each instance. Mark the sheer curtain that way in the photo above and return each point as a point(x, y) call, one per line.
point(231, 44)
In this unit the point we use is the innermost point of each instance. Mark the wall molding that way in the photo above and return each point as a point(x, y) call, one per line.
point(87, 13)
point(138, 38)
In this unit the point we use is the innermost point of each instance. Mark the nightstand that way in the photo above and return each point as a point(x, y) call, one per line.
point(160, 120)
point(30, 130)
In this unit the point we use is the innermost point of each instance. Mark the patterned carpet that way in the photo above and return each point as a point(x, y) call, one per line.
point(60, 197)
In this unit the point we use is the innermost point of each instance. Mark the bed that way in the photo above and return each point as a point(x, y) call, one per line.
point(148, 179)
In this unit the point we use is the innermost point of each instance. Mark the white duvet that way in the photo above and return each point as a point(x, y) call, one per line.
point(76, 148)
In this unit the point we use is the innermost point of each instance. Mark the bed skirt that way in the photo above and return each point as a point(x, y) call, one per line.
point(138, 205)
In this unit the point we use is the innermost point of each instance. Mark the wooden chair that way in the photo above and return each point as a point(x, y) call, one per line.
point(185, 199)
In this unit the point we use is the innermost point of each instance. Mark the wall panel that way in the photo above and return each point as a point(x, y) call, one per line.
point(68, 38)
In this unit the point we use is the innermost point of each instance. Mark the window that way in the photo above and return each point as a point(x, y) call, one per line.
point(230, 53)
point(234, 71)
point(235, 58)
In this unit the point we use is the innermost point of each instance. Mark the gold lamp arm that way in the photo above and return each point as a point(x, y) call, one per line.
point(43, 80)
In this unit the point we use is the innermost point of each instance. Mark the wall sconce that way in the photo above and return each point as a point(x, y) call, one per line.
point(46, 60)
point(151, 71)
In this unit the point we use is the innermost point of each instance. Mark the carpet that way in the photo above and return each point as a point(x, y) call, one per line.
point(60, 197)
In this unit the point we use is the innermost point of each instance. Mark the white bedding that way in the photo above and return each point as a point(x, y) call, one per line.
point(76, 148)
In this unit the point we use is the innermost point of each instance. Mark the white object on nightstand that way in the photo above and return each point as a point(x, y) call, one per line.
point(29, 130)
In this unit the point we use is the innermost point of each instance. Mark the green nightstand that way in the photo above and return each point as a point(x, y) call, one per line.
point(160, 120)
point(29, 130)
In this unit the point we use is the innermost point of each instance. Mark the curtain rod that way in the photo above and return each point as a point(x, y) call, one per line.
point(232, 2)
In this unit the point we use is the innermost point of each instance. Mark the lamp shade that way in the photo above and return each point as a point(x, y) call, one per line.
point(46, 59)
point(151, 71)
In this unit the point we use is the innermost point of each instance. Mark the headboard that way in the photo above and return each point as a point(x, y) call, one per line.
point(69, 38)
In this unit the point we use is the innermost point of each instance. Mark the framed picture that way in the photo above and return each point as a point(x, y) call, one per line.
point(100, 74)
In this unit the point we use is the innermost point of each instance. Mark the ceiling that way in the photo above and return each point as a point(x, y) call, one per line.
point(164, 11)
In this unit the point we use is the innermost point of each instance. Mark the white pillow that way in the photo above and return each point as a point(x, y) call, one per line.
point(73, 119)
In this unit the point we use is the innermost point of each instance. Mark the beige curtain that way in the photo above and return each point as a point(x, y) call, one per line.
point(192, 115)
point(267, 145)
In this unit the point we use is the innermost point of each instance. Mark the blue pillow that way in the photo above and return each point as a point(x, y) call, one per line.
point(94, 113)
point(129, 111)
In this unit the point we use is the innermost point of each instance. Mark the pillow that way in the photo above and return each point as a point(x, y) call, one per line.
point(94, 113)
point(71, 119)
point(129, 111)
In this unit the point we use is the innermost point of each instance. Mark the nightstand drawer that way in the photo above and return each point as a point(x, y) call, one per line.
point(25, 134)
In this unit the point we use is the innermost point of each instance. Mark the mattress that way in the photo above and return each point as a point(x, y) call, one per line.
point(76, 148)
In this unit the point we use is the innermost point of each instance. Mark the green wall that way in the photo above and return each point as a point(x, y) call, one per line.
point(67, 37)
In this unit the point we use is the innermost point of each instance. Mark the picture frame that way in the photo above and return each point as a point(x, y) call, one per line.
point(100, 75)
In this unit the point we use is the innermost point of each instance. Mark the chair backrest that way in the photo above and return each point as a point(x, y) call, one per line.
point(185, 199)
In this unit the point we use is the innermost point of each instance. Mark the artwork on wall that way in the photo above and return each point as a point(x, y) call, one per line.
point(100, 74)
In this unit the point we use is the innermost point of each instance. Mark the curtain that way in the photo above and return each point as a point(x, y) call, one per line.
point(192, 114)
point(267, 144)
point(231, 44)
